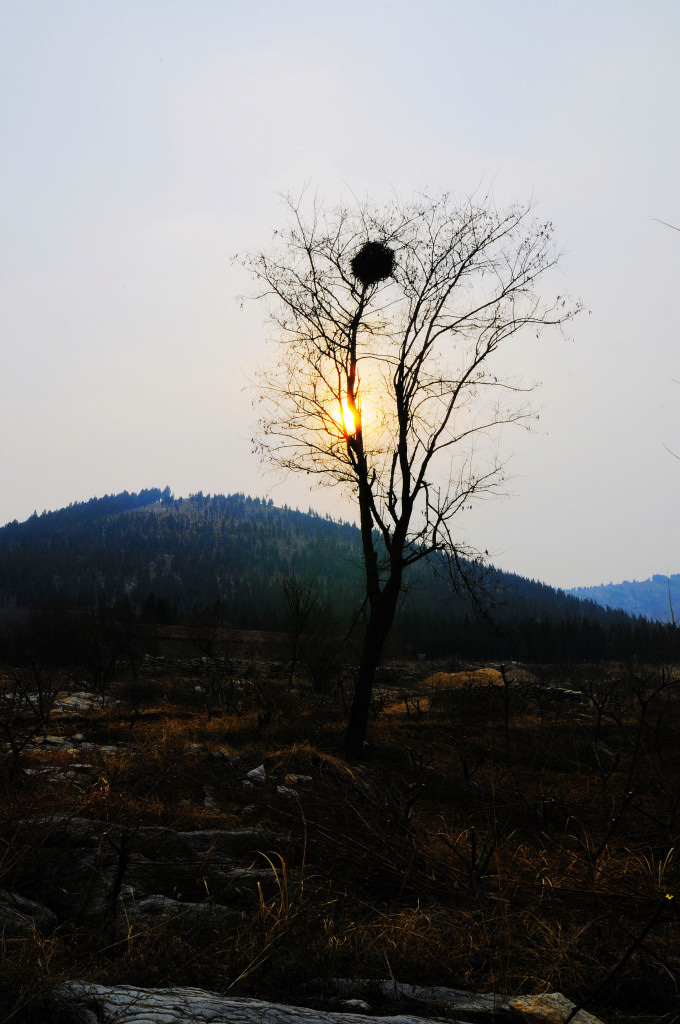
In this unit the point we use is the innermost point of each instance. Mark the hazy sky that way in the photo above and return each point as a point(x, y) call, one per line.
point(145, 142)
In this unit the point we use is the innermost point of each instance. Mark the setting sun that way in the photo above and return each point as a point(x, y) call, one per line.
point(348, 417)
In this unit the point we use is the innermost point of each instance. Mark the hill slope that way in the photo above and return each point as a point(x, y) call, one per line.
point(174, 560)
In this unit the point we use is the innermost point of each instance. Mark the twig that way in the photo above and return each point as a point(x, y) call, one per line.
point(617, 967)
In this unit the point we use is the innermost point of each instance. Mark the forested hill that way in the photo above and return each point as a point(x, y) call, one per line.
point(158, 558)
point(656, 598)
point(182, 554)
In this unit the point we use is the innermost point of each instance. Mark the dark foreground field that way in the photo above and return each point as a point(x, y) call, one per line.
point(509, 833)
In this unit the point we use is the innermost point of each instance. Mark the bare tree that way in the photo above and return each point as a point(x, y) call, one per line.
point(385, 324)
point(25, 710)
point(309, 619)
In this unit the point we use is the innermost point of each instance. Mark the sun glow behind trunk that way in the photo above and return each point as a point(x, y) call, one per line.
point(348, 420)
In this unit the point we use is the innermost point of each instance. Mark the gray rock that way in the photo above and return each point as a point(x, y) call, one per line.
point(127, 1004)
point(161, 842)
point(292, 779)
point(550, 1008)
point(438, 1001)
point(176, 916)
point(77, 861)
point(59, 830)
point(21, 917)
point(427, 1001)
point(79, 703)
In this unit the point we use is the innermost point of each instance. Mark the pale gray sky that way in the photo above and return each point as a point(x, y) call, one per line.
point(146, 141)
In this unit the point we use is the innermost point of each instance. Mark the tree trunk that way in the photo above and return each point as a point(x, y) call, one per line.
point(379, 625)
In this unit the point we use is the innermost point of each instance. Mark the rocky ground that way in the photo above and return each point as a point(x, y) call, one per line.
point(154, 835)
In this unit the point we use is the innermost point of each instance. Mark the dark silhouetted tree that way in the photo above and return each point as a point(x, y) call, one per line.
point(386, 323)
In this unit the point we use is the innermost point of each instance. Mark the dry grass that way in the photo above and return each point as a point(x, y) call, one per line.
point(458, 680)
point(459, 853)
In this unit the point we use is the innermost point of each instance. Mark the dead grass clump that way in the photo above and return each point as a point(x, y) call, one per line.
point(459, 680)
point(305, 759)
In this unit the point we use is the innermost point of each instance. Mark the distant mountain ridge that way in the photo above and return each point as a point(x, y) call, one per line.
point(156, 558)
point(657, 598)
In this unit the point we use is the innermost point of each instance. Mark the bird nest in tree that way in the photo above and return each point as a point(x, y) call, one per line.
point(374, 262)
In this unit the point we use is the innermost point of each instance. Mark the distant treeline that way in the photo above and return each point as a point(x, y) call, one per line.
point(149, 557)
point(655, 598)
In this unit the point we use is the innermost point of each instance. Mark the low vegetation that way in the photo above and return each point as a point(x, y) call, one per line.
point(512, 830)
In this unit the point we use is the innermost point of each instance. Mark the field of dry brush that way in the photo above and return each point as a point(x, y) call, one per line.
point(511, 831)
